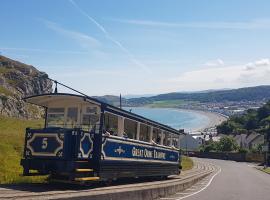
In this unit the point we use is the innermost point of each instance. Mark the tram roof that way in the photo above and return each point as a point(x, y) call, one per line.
point(44, 99)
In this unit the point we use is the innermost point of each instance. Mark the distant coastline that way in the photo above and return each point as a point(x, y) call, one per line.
point(214, 118)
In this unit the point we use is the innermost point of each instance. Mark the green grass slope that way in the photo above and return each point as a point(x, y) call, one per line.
point(12, 133)
point(187, 163)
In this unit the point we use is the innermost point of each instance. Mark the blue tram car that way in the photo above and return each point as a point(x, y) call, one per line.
point(85, 139)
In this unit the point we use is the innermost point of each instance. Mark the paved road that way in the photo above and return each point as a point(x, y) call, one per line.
point(235, 181)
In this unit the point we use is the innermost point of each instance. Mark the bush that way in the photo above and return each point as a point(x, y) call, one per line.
point(242, 150)
point(227, 144)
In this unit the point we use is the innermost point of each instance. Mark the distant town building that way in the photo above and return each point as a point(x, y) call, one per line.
point(189, 143)
point(249, 141)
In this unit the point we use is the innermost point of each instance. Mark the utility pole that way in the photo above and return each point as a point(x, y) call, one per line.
point(120, 101)
point(266, 147)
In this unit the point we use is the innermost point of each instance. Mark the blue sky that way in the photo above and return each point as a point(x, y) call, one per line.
point(141, 47)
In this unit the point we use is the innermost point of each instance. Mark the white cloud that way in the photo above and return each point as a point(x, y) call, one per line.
point(262, 62)
point(253, 24)
point(258, 63)
point(224, 77)
point(82, 39)
point(214, 63)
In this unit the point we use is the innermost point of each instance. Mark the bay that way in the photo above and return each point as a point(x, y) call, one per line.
point(175, 118)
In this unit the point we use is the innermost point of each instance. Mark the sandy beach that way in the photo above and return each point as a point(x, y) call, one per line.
point(214, 118)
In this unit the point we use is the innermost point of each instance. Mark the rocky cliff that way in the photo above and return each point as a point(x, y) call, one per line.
point(18, 80)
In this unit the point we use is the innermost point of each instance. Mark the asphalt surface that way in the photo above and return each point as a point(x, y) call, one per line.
point(234, 181)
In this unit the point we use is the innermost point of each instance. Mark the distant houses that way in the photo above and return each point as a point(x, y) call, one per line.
point(250, 141)
point(189, 143)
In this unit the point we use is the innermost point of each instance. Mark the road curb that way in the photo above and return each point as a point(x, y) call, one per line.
point(261, 169)
point(147, 193)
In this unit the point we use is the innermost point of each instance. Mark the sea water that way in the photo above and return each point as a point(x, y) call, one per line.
point(178, 119)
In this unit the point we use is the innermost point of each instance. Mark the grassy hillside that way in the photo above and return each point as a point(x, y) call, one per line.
point(11, 149)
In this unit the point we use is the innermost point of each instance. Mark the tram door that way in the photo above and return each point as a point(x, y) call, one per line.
point(90, 126)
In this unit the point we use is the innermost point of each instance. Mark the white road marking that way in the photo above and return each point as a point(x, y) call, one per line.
point(203, 183)
point(183, 193)
point(202, 188)
point(191, 190)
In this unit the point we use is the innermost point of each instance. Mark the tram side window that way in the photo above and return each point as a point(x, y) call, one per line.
point(175, 140)
point(166, 138)
point(144, 133)
point(157, 136)
point(55, 117)
point(111, 123)
point(130, 128)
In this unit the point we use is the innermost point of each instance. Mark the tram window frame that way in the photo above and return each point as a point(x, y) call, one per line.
point(147, 133)
point(113, 130)
point(132, 134)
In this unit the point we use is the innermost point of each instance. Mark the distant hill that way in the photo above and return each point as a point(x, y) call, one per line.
point(111, 99)
point(241, 94)
point(131, 96)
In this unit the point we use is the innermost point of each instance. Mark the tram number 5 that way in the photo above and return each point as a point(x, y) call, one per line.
point(44, 143)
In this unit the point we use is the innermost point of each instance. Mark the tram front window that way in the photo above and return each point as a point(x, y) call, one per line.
point(72, 115)
point(90, 118)
point(55, 117)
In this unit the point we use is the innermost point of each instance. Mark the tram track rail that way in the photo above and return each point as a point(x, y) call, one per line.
point(150, 190)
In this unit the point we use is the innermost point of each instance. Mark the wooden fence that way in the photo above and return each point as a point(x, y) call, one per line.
point(240, 157)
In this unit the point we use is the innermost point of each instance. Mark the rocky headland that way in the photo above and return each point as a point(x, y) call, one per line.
point(18, 80)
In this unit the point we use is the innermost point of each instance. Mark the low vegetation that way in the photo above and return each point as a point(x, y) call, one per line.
point(187, 163)
point(266, 170)
point(5, 91)
point(226, 144)
point(12, 132)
